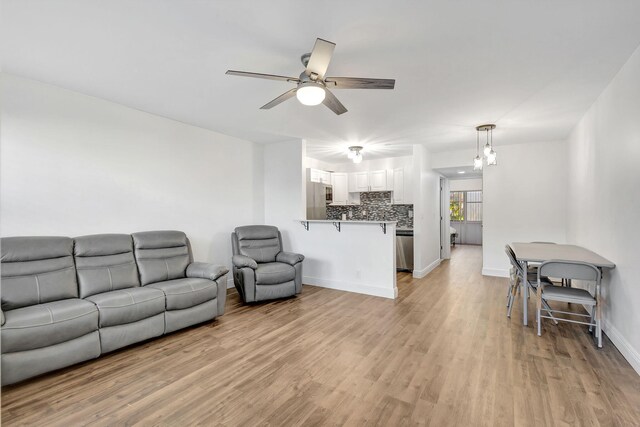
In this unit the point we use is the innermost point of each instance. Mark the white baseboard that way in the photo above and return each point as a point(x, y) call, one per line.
point(419, 274)
point(497, 272)
point(351, 287)
point(631, 354)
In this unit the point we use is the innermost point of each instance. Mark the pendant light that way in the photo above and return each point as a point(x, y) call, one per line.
point(477, 162)
point(487, 151)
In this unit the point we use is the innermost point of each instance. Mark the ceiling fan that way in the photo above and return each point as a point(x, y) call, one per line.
point(312, 87)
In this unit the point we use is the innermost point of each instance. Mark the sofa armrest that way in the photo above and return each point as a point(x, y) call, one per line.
point(241, 261)
point(204, 270)
point(289, 258)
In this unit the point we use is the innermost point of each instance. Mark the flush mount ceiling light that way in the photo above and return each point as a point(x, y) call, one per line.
point(355, 153)
point(488, 151)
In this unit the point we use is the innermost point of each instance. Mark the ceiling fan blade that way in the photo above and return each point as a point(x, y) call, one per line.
point(262, 76)
point(333, 104)
point(359, 83)
point(288, 94)
point(320, 58)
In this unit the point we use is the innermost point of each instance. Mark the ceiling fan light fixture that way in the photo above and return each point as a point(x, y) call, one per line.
point(310, 93)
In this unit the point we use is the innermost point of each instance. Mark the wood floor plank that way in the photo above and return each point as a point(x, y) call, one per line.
point(443, 353)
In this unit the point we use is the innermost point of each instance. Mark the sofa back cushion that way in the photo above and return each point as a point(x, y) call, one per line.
point(161, 255)
point(104, 262)
point(259, 242)
point(36, 270)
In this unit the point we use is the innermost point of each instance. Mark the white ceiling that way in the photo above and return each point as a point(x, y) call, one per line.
point(532, 67)
point(461, 172)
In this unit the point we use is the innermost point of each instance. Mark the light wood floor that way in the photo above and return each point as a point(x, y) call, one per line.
point(443, 353)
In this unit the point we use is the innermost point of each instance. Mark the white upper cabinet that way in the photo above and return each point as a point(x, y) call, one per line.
point(317, 175)
point(361, 180)
point(398, 185)
point(378, 180)
point(339, 181)
point(402, 190)
point(314, 175)
point(325, 177)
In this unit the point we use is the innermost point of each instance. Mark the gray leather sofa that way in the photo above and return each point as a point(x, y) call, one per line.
point(67, 300)
point(261, 270)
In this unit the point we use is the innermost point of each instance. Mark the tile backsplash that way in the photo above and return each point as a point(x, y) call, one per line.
point(374, 206)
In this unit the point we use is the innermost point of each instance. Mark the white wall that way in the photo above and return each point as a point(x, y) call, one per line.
point(73, 165)
point(359, 258)
point(474, 184)
point(426, 222)
point(524, 200)
point(604, 200)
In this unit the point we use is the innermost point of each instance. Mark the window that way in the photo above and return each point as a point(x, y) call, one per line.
point(474, 206)
point(466, 205)
point(456, 205)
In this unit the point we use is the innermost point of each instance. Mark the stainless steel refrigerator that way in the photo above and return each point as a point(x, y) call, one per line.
point(318, 197)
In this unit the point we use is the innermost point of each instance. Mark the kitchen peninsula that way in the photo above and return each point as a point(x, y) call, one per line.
point(339, 254)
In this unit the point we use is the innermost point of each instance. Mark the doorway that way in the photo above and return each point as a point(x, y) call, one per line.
point(466, 216)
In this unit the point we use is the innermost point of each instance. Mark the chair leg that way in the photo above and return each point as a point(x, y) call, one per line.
point(539, 310)
point(512, 297)
point(598, 326)
point(548, 310)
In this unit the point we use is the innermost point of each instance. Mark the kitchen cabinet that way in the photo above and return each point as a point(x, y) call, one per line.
point(339, 182)
point(402, 187)
point(398, 186)
point(378, 180)
point(360, 182)
point(325, 177)
point(317, 175)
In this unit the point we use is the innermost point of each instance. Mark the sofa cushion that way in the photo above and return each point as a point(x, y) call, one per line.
point(273, 273)
point(161, 255)
point(128, 305)
point(185, 293)
point(36, 270)
point(104, 262)
point(258, 242)
point(47, 324)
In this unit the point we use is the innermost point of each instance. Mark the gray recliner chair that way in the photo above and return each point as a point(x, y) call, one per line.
point(261, 270)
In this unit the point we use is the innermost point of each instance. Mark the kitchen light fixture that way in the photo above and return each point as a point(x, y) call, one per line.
point(310, 93)
point(355, 153)
point(488, 151)
point(460, 171)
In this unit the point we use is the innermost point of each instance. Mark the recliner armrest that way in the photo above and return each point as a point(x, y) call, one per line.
point(241, 261)
point(289, 258)
point(204, 270)
point(2, 316)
